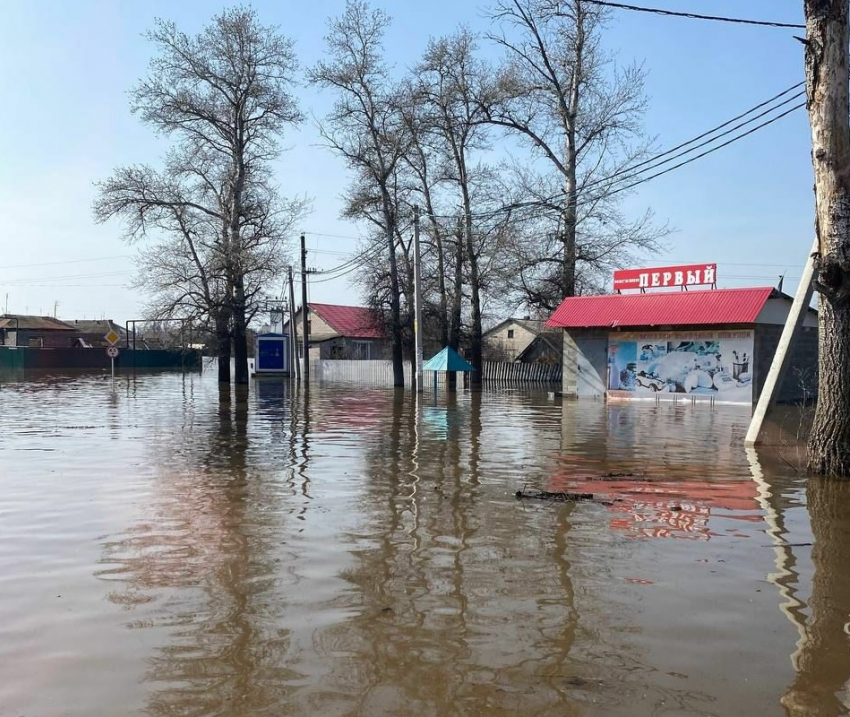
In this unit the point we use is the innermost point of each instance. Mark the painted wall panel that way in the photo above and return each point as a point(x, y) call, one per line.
point(704, 365)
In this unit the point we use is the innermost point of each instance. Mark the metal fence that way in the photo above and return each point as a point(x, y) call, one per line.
point(505, 372)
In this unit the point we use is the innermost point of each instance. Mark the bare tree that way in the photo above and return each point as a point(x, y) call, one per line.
point(184, 271)
point(225, 97)
point(581, 116)
point(455, 87)
point(827, 90)
point(365, 128)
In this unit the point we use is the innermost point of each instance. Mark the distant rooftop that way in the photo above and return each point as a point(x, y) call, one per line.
point(33, 323)
point(356, 322)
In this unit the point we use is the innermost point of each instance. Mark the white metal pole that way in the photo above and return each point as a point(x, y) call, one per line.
point(780, 359)
point(417, 299)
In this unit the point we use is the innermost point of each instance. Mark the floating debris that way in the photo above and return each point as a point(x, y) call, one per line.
point(560, 497)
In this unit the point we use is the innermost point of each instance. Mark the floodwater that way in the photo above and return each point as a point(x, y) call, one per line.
point(343, 551)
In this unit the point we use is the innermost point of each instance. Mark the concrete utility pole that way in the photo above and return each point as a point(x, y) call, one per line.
point(799, 308)
point(417, 299)
point(304, 319)
point(295, 367)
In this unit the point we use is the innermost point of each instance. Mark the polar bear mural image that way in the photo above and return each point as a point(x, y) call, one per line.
point(714, 365)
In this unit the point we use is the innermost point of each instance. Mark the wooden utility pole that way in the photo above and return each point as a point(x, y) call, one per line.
point(417, 299)
point(305, 324)
point(295, 367)
point(827, 92)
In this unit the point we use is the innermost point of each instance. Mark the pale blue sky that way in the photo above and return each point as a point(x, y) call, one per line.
point(66, 66)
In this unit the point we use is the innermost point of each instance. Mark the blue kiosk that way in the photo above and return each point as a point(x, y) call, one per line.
point(272, 354)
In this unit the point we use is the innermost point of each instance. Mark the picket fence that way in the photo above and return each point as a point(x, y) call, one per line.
point(380, 373)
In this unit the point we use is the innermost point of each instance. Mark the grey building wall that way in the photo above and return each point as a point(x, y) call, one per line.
point(585, 364)
point(801, 378)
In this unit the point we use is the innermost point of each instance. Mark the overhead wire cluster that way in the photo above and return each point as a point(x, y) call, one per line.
point(696, 16)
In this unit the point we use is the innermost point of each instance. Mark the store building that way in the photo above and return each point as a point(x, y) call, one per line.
point(712, 345)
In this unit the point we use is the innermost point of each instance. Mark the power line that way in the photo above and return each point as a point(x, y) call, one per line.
point(25, 281)
point(703, 154)
point(349, 266)
point(70, 261)
point(653, 161)
point(332, 236)
point(695, 16)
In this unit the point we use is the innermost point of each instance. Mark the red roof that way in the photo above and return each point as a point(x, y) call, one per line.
point(681, 308)
point(354, 322)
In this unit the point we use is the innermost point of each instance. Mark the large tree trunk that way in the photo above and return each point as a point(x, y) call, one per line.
point(827, 89)
point(240, 333)
point(395, 309)
point(476, 380)
point(223, 338)
point(457, 299)
point(568, 265)
point(240, 328)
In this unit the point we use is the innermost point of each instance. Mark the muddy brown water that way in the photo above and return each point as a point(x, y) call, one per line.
point(343, 551)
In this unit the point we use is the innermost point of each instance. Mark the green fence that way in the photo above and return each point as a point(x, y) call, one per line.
point(24, 358)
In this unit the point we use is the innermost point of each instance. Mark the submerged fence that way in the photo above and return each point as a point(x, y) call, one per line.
point(504, 372)
point(380, 373)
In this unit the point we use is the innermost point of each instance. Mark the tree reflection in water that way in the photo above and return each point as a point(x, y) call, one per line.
point(820, 686)
point(205, 562)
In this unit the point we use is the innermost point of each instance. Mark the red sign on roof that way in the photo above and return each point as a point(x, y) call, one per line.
point(665, 276)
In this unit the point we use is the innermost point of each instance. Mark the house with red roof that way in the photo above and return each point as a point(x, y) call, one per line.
point(343, 332)
point(700, 345)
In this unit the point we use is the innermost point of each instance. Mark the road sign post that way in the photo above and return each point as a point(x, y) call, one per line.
point(112, 352)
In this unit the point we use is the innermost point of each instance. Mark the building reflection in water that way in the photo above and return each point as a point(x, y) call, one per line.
point(648, 474)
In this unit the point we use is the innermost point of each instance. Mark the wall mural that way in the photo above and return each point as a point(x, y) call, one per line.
point(702, 364)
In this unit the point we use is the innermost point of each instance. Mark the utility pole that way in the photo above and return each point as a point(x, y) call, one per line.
point(417, 299)
point(778, 366)
point(295, 367)
point(304, 322)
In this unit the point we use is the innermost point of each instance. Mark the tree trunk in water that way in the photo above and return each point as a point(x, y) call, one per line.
point(240, 334)
point(454, 319)
point(222, 335)
point(395, 310)
point(827, 92)
point(476, 380)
